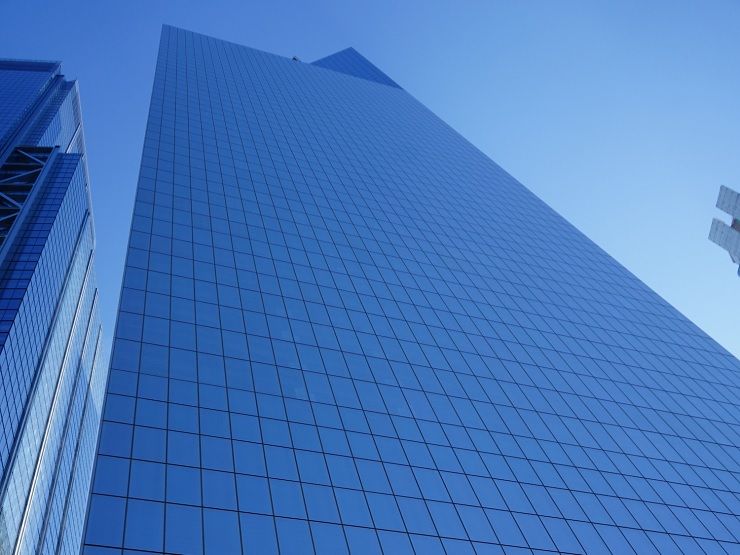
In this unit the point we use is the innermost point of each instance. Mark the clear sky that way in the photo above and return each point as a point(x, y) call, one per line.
point(623, 116)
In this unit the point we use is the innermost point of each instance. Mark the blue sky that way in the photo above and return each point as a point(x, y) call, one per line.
point(623, 116)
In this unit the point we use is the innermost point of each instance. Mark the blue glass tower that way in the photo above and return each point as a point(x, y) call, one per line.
point(52, 376)
point(344, 329)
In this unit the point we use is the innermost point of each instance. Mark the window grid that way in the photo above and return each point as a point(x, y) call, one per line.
point(344, 329)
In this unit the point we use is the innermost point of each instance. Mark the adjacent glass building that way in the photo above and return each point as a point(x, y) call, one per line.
point(52, 376)
point(344, 329)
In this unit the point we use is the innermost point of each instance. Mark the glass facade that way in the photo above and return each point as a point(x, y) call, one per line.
point(52, 376)
point(343, 328)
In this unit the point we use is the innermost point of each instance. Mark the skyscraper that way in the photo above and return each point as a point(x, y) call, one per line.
point(343, 328)
point(52, 376)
